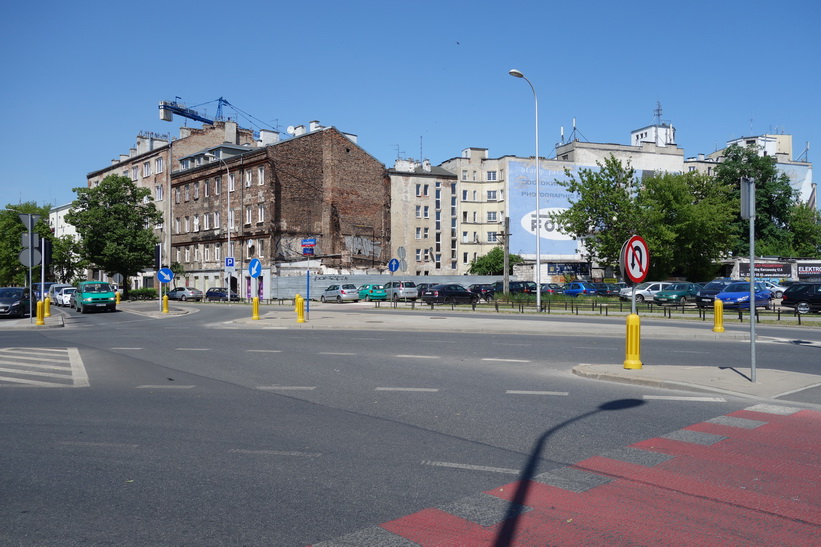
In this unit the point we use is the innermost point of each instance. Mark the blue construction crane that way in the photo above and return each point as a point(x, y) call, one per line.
point(169, 108)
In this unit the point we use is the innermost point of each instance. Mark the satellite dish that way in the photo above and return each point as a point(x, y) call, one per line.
point(290, 130)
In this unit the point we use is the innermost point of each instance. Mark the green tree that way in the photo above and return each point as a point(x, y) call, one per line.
point(685, 220)
point(774, 200)
point(805, 226)
point(115, 222)
point(606, 214)
point(67, 262)
point(12, 271)
point(493, 263)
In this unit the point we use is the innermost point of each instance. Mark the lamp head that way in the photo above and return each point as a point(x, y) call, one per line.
point(516, 73)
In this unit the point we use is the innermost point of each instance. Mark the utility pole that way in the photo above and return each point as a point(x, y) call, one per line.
point(506, 282)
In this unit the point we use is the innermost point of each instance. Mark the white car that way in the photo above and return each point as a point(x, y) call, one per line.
point(777, 290)
point(63, 296)
point(644, 291)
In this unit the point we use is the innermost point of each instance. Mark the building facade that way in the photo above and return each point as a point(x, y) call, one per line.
point(317, 196)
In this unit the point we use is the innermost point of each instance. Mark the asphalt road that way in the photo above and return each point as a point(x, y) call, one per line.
point(195, 430)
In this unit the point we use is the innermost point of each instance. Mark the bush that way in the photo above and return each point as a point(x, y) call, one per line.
point(143, 294)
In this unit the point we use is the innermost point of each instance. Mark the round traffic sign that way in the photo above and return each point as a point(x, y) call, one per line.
point(393, 265)
point(636, 259)
point(165, 275)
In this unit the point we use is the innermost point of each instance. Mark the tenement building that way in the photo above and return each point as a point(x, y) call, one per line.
point(317, 194)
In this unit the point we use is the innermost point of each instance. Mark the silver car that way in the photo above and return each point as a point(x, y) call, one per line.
point(340, 293)
point(185, 293)
point(645, 291)
point(401, 290)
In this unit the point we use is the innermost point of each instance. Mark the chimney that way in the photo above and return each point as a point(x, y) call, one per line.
point(314, 126)
point(268, 137)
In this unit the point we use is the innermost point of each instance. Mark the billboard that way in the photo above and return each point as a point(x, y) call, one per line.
point(525, 221)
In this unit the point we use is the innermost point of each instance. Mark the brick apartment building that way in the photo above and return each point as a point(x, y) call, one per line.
point(318, 185)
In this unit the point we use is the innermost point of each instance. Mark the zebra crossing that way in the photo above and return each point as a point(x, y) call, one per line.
point(42, 367)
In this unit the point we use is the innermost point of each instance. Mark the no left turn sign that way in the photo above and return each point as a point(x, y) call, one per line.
point(635, 259)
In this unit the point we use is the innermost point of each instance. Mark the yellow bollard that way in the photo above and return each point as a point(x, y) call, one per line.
point(47, 307)
point(40, 320)
point(117, 298)
point(632, 355)
point(255, 308)
point(718, 311)
point(300, 309)
point(165, 303)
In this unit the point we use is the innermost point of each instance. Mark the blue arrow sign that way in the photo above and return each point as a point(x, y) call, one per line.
point(393, 265)
point(165, 275)
point(255, 267)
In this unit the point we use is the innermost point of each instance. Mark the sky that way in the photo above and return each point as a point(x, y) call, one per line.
point(418, 79)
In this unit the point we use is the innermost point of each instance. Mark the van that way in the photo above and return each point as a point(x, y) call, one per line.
point(94, 295)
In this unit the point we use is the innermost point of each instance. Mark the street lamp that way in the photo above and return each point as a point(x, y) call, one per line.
point(518, 74)
point(228, 219)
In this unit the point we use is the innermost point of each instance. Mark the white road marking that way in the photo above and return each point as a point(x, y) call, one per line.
point(472, 467)
point(286, 388)
point(417, 356)
point(78, 370)
point(500, 360)
point(25, 363)
point(163, 386)
point(520, 392)
point(696, 399)
point(419, 389)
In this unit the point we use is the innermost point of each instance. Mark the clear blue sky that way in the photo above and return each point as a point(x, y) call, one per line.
point(81, 79)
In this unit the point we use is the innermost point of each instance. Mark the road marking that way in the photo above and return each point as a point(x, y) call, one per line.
point(472, 467)
point(335, 353)
point(419, 389)
point(286, 388)
point(163, 386)
point(275, 453)
point(697, 399)
point(34, 366)
point(518, 392)
point(264, 350)
point(506, 360)
point(417, 356)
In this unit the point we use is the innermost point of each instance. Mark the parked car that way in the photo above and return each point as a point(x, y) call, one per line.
point(449, 294)
point(340, 293)
point(35, 288)
point(552, 288)
point(677, 293)
point(737, 295)
point(371, 291)
point(401, 290)
point(776, 289)
point(63, 296)
point(54, 290)
point(483, 290)
point(14, 301)
point(185, 293)
point(94, 295)
point(580, 288)
point(515, 287)
point(804, 297)
point(644, 291)
point(421, 287)
point(220, 294)
point(707, 293)
point(607, 289)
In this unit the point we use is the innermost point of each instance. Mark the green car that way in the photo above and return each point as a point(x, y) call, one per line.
point(677, 293)
point(370, 292)
point(94, 295)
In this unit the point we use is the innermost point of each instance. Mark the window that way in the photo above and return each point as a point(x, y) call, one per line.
point(230, 220)
point(491, 216)
point(158, 192)
point(196, 223)
point(217, 185)
point(491, 237)
point(491, 176)
point(260, 247)
point(187, 192)
point(134, 172)
point(247, 178)
point(232, 181)
point(188, 254)
point(425, 191)
point(426, 233)
point(247, 214)
point(260, 179)
point(427, 255)
point(207, 253)
point(464, 174)
point(206, 218)
point(187, 225)
point(464, 238)
point(217, 224)
point(177, 225)
point(418, 211)
point(260, 212)
point(205, 187)
point(475, 196)
point(147, 169)
point(197, 253)
point(491, 195)
point(218, 253)
point(419, 255)
point(158, 165)
point(197, 190)
point(426, 213)
point(177, 252)
point(418, 233)
point(418, 190)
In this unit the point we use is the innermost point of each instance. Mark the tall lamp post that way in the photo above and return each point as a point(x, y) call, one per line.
point(518, 74)
point(228, 220)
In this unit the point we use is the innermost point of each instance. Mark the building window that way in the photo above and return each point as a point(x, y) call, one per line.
point(464, 258)
point(196, 223)
point(426, 233)
point(419, 255)
point(248, 178)
point(418, 233)
point(491, 216)
point(217, 185)
point(464, 174)
point(260, 248)
point(134, 172)
point(205, 185)
point(491, 237)
point(418, 211)
point(187, 225)
point(464, 237)
point(427, 255)
point(147, 169)
point(158, 192)
point(217, 221)
point(197, 253)
point(206, 221)
point(177, 252)
point(188, 254)
point(218, 252)
point(464, 195)
point(491, 195)
point(187, 192)
point(197, 190)
point(177, 225)
point(260, 212)
point(260, 177)
point(426, 212)
point(491, 176)
point(232, 180)
point(158, 165)
point(418, 190)
point(247, 214)
point(207, 253)
point(425, 190)
point(230, 220)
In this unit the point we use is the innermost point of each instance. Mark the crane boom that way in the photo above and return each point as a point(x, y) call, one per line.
point(169, 108)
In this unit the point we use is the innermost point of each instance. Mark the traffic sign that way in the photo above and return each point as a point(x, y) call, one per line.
point(165, 275)
point(229, 263)
point(635, 259)
point(35, 257)
point(393, 265)
point(309, 242)
point(255, 267)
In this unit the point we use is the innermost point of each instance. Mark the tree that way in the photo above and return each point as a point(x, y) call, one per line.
point(686, 219)
point(606, 214)
point(115, 222)
point(493, 263)
point(12, 271)
point(67, 262)
point(805, 226)
point(774, 199)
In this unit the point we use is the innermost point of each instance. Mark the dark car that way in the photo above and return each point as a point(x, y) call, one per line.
point(706, 295)
point(185, 293)
point(607, 289)
point(220, 294)
point(483, 290)
point(449, 294)
point(552, 288)
point(804, 297)
point(580, 288)
point(515, 287)
point(14, 301)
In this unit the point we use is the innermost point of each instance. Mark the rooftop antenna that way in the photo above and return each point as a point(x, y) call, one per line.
point(421, 155)
point(805, 153)
point(398, 152)
point(657, 113)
